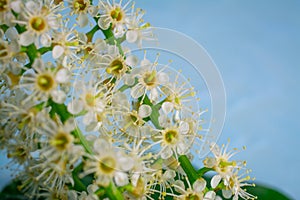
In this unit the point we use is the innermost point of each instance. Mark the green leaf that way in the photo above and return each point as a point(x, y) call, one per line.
point(10, 192)
point(266, 193)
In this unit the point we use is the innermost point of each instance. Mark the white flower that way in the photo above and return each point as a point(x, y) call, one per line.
point(6, 7)
point(9, 53)
point(93, 98)
point(42, 83)
point(107, 164)
point(149, 79)
point(82, 8)
point(137, 29)
point(234, 186)
point(67, 44)
point(130, 119)
point(113, 62)
point(39, 21)
point(114, 15)
point(173, 140)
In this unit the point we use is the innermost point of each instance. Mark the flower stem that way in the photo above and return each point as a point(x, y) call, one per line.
point(91, 33)
point(203, 170)
point(188, 168)
point(77, 132)
point(113, 193)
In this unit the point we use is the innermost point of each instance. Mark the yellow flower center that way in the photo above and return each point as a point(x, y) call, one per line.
point(58, 1)
point(171, 136)
point(14, 79)
point(117, 14)
point(100, 117)
point(3, 5)
point(80, 5)
point(139, 189)
point(61, 141)
point(149, 78)
point(224, 165)
point(107, 165)
point(20, 153)
point(38, 24)
point(45, 82)
point(192, 196)
point(90, 99)
point(3, 50)
point(134, 118)
point(116, 67)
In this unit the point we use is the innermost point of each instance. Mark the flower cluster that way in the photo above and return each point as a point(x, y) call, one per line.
point(85, 118)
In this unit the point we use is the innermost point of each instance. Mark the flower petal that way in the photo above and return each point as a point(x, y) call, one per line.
point(153, 94)
point(131, 60)
point(45, 40)
point(128, 79)
point(32, 6)
point(226, 194)
point(12, 34)
point(104, 23)
point(75, 106)
point(131, 36)
point(167, 107)
point(215, 181)
point(145, 111)
point(163, 78)
point(210, 195)
point(82, 20)
point(16, 6)
point(102, 146)
point(199, 185)
point(166, 153)
point(63, 75)
point(57, 51)
point(180, 187)
point(26, 38)
point(184, 127)
point(121, 178)
point(137, 91)
point(58, 96)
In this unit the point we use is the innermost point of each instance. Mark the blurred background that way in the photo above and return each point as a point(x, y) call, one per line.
point(256, 46)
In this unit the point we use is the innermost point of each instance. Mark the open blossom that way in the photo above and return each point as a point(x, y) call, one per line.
point(130, 119)
point(138, 30)
point(6, 8)
point(195, 191)
point(114, 15)
point(39, 21)
point(108, 164)
point(149, 79)
point(11, 60)
point(67, 44)
point(82, 9)
point(234, 186)
point(114, 63)
point(43, 82)
point(93, 98)
point(173, 139)
point(221, 164)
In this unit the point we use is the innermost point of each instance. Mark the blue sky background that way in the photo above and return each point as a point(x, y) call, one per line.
point(256, 46)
